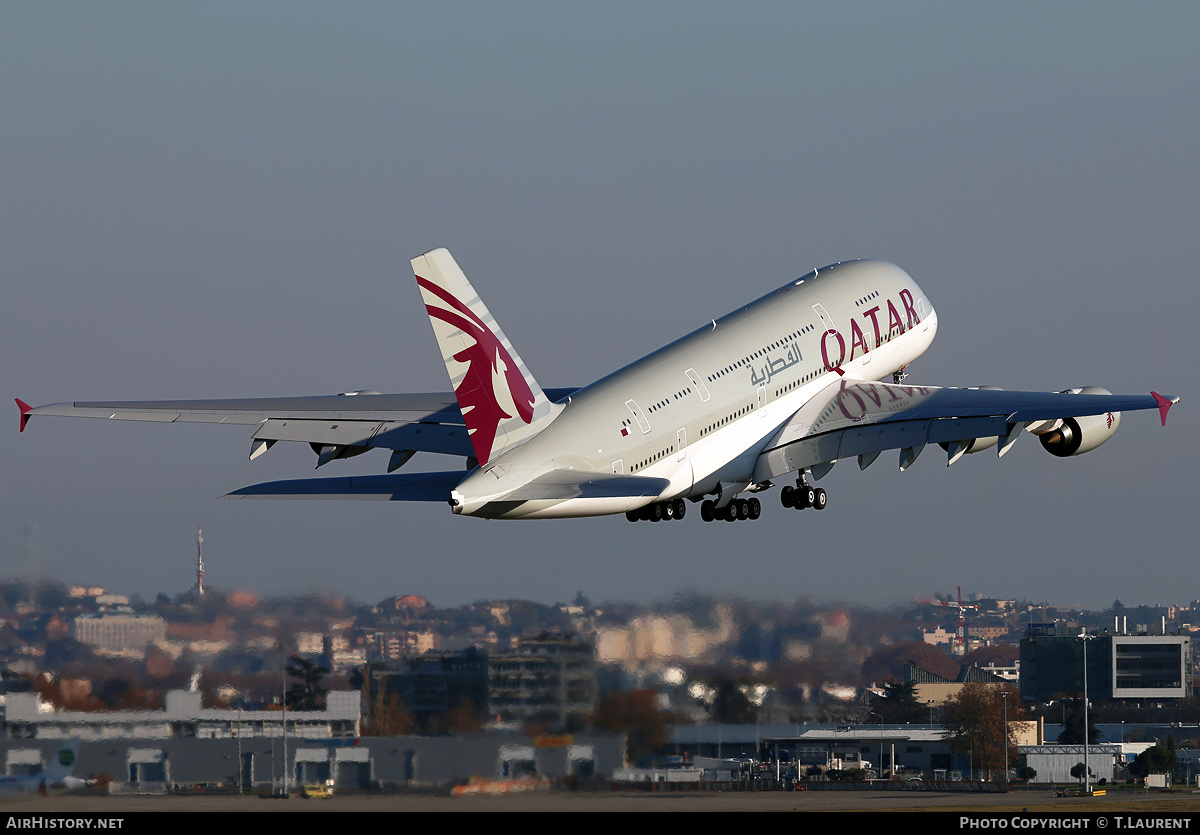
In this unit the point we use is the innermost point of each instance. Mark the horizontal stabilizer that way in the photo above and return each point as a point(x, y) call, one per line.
point(407, 487)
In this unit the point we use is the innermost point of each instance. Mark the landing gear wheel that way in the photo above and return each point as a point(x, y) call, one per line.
point(708, 510)
point(679, 508)
point(743, 512)
point(730, 512)
point(805, 496)
point(633, 515)
point(753, 508)
point(787, 496)
point(819, 500)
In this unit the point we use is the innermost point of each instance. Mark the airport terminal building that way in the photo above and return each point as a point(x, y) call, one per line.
point(187, 746)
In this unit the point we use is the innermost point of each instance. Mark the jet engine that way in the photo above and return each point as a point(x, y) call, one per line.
point(1075, 436)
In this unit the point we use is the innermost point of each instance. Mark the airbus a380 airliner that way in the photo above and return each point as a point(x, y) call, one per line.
point(789, 384)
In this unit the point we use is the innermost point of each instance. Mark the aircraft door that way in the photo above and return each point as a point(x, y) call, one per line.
point(681, 444)
point(824, 316)
point(698, 384)
point(638, 415)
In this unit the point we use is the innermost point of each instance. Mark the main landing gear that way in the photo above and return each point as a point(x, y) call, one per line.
point(658, 512)
point(799, 497)
point(803, 495)
point(735, 511)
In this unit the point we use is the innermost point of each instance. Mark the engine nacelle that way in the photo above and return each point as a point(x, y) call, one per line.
point(1075, 436)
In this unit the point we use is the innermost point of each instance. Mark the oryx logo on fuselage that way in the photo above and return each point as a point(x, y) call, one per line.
point(491, 374)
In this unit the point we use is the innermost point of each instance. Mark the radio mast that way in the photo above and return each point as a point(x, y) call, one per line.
point(199, 562)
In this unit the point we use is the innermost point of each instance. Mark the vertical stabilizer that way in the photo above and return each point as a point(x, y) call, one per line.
point(500, 401)
point(62, 764)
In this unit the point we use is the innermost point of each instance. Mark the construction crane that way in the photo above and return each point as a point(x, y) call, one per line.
point(959, 647)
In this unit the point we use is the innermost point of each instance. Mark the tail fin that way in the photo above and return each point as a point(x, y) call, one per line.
point(62, 763)
point(500, 401)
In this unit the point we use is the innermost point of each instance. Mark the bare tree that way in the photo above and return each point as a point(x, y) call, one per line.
point(974, 722)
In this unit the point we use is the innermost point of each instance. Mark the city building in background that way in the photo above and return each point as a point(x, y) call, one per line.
point(1118, 666)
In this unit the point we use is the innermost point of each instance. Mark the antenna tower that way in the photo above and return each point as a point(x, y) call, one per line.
point(199, 562)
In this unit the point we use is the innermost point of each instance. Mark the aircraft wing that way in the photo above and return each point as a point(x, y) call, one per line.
point(336, 426)
point(861, 419)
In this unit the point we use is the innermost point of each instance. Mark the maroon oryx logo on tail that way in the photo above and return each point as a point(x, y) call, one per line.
point(491, 374)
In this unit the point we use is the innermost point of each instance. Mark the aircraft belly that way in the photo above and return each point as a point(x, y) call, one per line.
point(572, 508)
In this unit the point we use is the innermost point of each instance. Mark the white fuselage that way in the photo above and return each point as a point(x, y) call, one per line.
point(699, 411)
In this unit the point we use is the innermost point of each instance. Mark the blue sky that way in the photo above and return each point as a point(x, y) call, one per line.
point(221, 199)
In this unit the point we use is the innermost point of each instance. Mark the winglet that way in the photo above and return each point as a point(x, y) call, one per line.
point(26, 409)
point(1164, 404)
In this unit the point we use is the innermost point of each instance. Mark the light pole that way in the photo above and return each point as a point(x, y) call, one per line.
point(879, 765)
point(1087, 775)
point(239, 748)
point(286, 730)
point(1004, 696)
